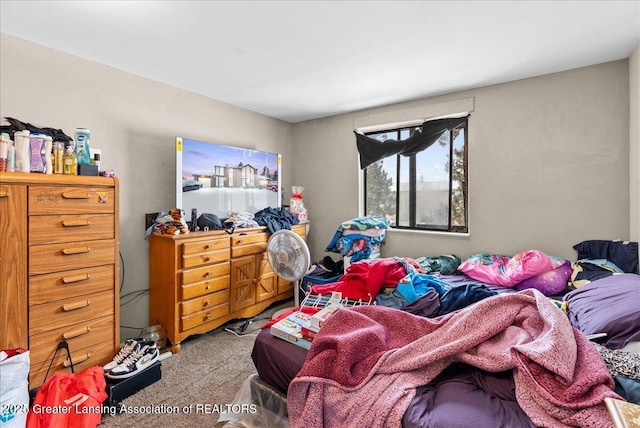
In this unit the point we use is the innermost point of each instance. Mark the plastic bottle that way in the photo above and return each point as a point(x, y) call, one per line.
point(70, 163)
point(59, 158)
point(4, 151)
point(83, 152)
point(11, 157)
point(23, 151)
point(48, 163)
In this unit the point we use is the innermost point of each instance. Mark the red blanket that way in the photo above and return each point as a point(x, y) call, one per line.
point(363, 367)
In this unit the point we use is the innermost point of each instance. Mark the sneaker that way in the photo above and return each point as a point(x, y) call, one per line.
point(139, 360)
point(130, 345)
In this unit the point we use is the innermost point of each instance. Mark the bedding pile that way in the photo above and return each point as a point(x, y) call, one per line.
point(364, 366)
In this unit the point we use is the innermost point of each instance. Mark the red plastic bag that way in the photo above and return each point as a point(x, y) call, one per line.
point(70, 400)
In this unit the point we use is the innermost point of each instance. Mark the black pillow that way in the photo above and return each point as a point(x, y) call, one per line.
point(623, 254)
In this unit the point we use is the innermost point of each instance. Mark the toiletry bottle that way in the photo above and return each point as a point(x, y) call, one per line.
point(70, 164)
point(59, 158)
point(48, 162)
point(23, 151)
point(4, 151)
point(83, 151)
point(11, 157)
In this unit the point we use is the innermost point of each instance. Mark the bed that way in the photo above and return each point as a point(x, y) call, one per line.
point(473, 351)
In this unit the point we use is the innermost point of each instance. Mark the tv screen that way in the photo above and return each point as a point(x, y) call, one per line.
point(218, 179)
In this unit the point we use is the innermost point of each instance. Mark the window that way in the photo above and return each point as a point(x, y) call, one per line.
point(427, 190)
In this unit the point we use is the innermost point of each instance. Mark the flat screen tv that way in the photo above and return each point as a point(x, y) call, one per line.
point(218, 179)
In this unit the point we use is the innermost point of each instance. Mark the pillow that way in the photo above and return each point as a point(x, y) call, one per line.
point(608, 305)
point(623, 254)
point(506, 271)
point(551, 282)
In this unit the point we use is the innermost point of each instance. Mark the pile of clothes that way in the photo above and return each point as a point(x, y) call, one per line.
point(359, 238)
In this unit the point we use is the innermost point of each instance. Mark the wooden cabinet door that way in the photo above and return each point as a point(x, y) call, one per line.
point(243, 282)
point(267, 284)
point(13, 266)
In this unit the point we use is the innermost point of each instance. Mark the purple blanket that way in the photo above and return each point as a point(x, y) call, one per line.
point(364, 366)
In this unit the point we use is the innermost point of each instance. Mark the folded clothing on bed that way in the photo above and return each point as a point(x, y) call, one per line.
point(365, 364)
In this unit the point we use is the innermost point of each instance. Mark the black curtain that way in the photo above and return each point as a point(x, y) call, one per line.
point(372, 150)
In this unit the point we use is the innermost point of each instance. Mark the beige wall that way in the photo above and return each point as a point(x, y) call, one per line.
point(548, 166)
point(634, 146)
point(134, 121)
point(549, 156)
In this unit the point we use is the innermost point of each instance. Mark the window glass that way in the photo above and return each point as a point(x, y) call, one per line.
point(425, 191)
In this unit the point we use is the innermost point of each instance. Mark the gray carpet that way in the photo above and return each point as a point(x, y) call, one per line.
point(208, 371)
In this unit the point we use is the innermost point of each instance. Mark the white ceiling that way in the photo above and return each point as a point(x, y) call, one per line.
point(300, 60)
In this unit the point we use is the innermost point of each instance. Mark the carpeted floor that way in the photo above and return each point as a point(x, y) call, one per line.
point(198, 381)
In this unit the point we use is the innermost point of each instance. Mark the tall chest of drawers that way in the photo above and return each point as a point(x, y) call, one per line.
point(201, 280)
point(59, 262)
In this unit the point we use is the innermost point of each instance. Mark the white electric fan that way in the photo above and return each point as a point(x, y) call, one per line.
point(289, 258)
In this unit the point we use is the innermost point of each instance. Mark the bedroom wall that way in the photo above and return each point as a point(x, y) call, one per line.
point(634, 146)
point(134, 121)
point(549, 156)
point(548, 166)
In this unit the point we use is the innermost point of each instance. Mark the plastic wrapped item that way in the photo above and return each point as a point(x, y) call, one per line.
point(297, 204)
point(14, 388)
point(256, 404)
point(155, 333)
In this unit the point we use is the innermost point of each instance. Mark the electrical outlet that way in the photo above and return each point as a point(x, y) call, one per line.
point(149, 219)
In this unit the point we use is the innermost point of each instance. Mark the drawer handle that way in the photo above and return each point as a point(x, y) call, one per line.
point(76, 223)
point(206, 274)
point(206, 259)
point(4, 194)
point(206, 316)
point(205, 303)
point(78, 360)
point(75, 195)
point(207, 247)
point(77, 278)
point(208, 287)
point(72, 251)
point(76, 333)
point(74, 306)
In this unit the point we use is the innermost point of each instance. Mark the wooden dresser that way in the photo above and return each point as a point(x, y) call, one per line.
point(59, 269)
point(200, 280)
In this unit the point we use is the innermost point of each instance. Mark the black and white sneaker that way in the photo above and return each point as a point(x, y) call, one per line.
point(130, 346)
point(139, 360)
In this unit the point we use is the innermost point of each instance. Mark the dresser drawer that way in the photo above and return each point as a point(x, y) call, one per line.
point(95, 355)
point(205, 273)
point(70, 200)
point(242, 245)
point(50, 229)
point(205, 246)
point(70, 311)
point(191, 321)
point(189, 291)
point(61, 285)
point(192, 306)
point(70, 255)
point(202, 259)
point(79, 336)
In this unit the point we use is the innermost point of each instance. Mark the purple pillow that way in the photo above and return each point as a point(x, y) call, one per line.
point(608, 305)
point(549, 283)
